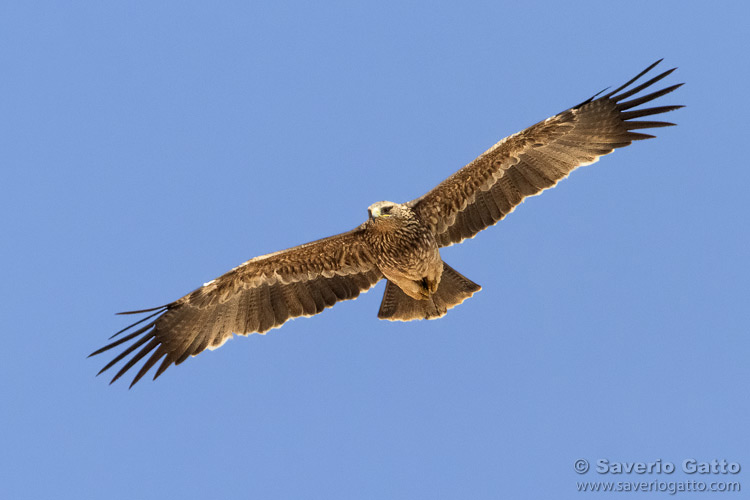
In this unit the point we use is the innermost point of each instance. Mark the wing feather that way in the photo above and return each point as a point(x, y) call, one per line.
point(261, 294)
point(525, 164)
point(155, 357)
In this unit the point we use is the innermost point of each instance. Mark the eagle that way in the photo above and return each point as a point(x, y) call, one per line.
point(399, 242)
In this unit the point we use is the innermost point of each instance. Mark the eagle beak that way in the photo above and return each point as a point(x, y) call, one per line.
point(371, 214)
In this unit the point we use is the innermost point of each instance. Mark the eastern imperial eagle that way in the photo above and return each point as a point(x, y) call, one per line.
point(399, 242)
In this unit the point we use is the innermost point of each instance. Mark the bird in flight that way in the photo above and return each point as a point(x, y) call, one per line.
point(399, 241)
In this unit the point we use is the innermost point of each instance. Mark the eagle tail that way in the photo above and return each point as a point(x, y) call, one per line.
point(453, 289)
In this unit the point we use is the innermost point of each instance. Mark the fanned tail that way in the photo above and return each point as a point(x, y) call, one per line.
point(453, 289)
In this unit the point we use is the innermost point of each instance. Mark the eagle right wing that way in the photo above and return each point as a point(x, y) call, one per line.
point(261, 294)
point(525, 164)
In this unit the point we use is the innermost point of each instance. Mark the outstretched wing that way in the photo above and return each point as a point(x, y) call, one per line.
point(261, 294)
point(527, 163)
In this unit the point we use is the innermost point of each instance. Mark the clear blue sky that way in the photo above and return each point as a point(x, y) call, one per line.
point(147, 147)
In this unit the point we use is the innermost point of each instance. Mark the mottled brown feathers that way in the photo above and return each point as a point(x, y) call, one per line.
point(525, 164)
point(399, 241)
point(261, 294)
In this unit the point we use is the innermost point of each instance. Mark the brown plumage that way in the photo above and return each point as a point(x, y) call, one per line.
point(399, 242)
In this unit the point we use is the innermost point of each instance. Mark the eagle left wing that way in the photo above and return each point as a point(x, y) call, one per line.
point(261, 294)
point(525, 164)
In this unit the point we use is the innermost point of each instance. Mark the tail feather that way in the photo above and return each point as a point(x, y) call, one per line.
point(453, 289)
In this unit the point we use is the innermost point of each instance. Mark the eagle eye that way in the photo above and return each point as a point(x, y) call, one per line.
point(386, 210)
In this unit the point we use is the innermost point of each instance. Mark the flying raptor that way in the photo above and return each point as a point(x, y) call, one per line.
point(399, 241)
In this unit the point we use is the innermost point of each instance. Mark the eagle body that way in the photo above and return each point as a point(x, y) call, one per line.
point(405, 249)
point(399, 242)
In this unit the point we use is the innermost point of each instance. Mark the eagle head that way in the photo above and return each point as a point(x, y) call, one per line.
point(384, 209)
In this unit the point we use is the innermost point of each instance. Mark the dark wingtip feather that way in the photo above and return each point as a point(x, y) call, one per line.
point(138, 356)
point(156, 356)
point(622, 92)
point(642, 86)
point(629, 82)
point(638, 113)
point(127, 351)
point(120, 341)
point(146, 332)
point(628, 117)
point(622, 106)
point(158, 310)
point(164, 365)
point(637, 136)
point(650, 124)
point(165, 306)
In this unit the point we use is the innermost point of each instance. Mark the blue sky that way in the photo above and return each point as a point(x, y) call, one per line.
point(148, 147)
